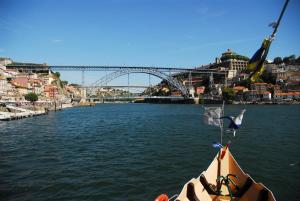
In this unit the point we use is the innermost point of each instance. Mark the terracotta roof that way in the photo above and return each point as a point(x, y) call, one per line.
point(239, 88)
point(38, 81)
point(285, 94)
point(20, 82)
point(260, 83)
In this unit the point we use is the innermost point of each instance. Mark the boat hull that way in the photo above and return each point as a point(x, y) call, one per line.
point(207, 188)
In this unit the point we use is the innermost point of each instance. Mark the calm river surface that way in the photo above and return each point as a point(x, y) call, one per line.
point(138, 151)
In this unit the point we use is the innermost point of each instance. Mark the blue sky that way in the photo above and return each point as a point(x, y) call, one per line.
point(174, 33)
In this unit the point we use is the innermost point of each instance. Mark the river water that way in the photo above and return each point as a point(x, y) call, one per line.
point(138, 151)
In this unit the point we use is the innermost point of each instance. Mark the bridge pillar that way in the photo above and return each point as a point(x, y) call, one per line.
point(191, 87)
point(192, 91)
point(83, 95)
point(83, 90)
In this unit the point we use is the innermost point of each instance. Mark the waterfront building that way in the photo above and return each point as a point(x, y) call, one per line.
point(240, 92)
point(175, 93)
point(200, 90)
point(5, 61)
point(287, 96)
point(259, 92)
point(267, 96)
point(51, 91)
point(26, 84)
point(240, 77)
point(292, 74)
point(73, 91)
point(230, 62)
point(19, 79)
point(24, 67)
point(276, 88)
point(260, 87)
point(36, 86)
point(21, 84)
point(234, 61)
point(277, 71)
point(7, 73)
point(296, 95)
point(292, 81)
point(3, 86)
point(192, 91)
point(193, 81)
point(252, 95)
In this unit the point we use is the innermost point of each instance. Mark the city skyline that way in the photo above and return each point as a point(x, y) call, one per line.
point(147, 33)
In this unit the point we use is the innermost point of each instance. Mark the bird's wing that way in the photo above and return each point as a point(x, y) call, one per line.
point(238, 119)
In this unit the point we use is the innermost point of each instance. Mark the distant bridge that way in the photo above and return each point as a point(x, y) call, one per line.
point(124, 98)
point(116, 68)
point(43, 67)
point(118, 86)
point(151, 71)
point(117, 71)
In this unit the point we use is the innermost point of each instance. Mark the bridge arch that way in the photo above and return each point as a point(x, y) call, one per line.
point(171, 80)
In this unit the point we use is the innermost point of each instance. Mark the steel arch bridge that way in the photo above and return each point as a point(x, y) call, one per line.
point(151, 71)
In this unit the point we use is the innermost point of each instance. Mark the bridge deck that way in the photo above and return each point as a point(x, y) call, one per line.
point(106, 68)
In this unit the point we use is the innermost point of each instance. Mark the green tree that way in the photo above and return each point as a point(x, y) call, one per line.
point(277, 60)
point(74, 85)
point(268, 77)
point(289, 60)
point(245, 83)
point(246, 70)
point(298, 60)
point(57, 74)
point(234, 56)
point(63, 83)
point(292, 59)
point(32, 97)
point(228, 93)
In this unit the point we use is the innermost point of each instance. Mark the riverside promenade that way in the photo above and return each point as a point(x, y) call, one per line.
point(19, 110)
point(19, 113)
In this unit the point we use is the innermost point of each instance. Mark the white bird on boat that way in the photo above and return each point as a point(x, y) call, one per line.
point(235, 122)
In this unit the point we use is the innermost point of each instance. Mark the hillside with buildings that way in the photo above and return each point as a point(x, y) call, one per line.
point(279, 83)
point(16, 80)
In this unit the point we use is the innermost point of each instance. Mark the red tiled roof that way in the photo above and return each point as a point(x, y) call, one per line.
point(284, 94)
point(239, 88)
point(260, 83)
point(20, 82)
point(35, 80)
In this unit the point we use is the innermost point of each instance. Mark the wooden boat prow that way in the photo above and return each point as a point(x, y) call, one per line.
point(204, 187)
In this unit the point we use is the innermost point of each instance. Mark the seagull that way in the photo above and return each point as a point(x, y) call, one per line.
point(235, 122)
